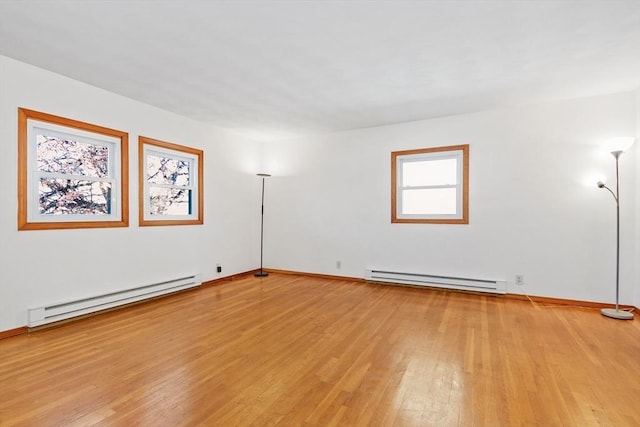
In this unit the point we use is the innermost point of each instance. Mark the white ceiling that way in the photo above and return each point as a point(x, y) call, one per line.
point(272, 69)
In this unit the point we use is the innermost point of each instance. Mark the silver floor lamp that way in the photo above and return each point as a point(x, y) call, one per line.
point(262, 273)
point(617, 146)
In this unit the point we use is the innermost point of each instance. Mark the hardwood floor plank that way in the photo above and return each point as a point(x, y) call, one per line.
point(310, 351)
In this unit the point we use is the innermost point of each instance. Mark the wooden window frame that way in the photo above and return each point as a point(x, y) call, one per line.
point(464, 209)
point(198, 157)
point(26, 195)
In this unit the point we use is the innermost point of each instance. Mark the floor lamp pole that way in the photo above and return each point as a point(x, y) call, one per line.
point(617, 156)
point(262, 273)
point(616, 313)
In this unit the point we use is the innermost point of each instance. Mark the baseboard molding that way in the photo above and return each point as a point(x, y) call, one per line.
point(221, 280)
point(215, 282)
point(567, 302)
point(321, 276)
point(13, 332)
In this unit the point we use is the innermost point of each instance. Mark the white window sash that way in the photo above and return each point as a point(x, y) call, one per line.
point(192, 186)
point(113, 146)
point(400, 162)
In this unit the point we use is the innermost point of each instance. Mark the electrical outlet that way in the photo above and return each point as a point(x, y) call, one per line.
point(519, 279)
point(218, 268)
point(338, 265)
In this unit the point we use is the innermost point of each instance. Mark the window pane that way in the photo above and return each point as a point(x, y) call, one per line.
point(169, 201)
point(165, 170)
point(71, 196)
point(71, 157)
point(434, 201)
point(429, 172)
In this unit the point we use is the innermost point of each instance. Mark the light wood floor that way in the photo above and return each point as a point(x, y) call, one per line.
point(302, 351)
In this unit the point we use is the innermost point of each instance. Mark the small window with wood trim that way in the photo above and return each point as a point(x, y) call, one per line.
point(71, 174)
point(170, 183)
point(430, 185)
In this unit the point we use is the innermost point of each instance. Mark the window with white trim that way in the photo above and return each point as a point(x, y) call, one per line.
point(430, 185)
point(71, 173)
point(170, 183)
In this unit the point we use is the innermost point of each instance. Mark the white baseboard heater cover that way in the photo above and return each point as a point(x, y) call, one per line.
point(66, 310)
point(431, 280)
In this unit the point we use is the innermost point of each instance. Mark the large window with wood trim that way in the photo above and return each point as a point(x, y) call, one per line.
point(71, 174)
point(170, 182)
point(430, 185)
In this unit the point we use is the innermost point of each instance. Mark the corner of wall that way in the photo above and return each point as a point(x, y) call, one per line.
point(637, 202)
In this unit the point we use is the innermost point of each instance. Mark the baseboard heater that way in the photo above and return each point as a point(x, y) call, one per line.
point(66, 310)
point(431, 280)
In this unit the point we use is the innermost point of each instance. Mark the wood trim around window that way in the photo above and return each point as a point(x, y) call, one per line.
point(142, 141)
point(23, 224)
point(465, 185)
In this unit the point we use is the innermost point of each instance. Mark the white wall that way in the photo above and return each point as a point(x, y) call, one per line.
point(40, 267)
point(534, 206)
point(636, 260)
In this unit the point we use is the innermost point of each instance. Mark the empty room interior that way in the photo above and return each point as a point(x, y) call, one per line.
point(316, 213)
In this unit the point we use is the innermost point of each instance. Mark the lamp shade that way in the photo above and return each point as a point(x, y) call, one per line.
point(619, 144)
